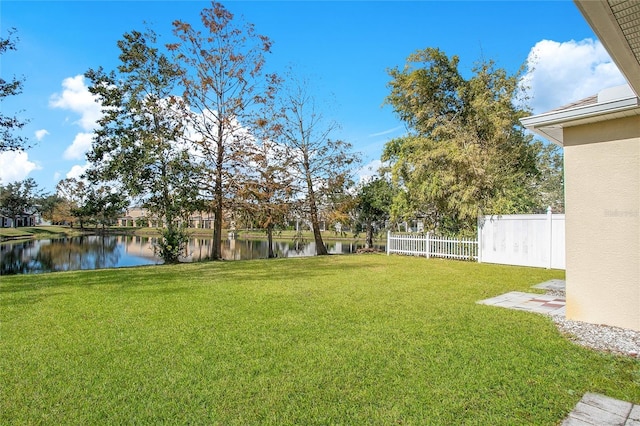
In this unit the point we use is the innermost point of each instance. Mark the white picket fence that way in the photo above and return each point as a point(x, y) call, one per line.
point(431, 246)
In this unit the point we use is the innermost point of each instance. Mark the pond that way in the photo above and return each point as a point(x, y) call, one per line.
point(115, 251)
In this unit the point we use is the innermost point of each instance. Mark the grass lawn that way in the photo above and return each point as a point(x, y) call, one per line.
point(333, 340)
point(38, 232)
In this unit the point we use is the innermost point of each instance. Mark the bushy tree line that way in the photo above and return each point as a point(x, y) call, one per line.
point(73, 203)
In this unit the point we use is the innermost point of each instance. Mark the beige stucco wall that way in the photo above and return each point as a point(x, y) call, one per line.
point(602, 169)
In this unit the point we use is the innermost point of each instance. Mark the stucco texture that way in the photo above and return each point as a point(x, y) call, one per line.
point(602, 169)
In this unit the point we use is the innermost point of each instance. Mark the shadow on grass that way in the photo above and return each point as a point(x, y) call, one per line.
point(28, 299)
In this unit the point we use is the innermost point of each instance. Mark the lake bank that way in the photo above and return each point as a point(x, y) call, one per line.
point(55, 231)
point(40, 232)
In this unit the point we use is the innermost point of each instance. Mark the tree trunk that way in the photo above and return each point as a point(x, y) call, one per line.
point(218, 199)
point(270, 241)
point(217, 232)
point(321, 250)
point(369, 240)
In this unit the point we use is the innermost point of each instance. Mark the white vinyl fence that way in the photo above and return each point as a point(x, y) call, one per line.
point(525, 240)
point(430, 246)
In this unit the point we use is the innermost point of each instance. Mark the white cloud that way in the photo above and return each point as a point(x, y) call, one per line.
point(563, 72)
point(40, 134)
point(368, 171)
point(77, 171)
point(77, 98)
point(15, 166)
point(386, 132)
point(81, 144)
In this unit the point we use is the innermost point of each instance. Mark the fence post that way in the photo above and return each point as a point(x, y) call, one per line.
point(388, 242)
point(550, 236)
point(479, 238)
point(428, 243)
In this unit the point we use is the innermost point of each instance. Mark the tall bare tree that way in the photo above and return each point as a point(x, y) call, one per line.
point(322, 165)
point(224, 82)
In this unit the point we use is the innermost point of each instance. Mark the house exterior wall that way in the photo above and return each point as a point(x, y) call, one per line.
point(602, 177)
point(21, 220)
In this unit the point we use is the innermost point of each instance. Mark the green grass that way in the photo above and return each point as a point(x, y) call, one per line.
point(330, 340)
point(37, 232)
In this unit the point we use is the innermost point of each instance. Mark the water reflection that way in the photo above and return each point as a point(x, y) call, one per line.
point(113, 251)
point(68, 254)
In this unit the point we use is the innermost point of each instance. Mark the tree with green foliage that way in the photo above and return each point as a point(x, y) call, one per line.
point(49, 205)
point(466, 152)
point(550, 183)
point(102, 206)
point(339, 203)
point(140, 142)
point(373, 206)
point(20, 198)
point(72, 193)
point(224, 83)
point(9, 140)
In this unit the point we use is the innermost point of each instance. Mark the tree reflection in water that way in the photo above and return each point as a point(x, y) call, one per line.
point(114, 251)
point(68, 254)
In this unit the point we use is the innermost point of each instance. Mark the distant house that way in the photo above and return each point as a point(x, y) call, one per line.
point(23, 219)
point(601, 140)
point(139, 216)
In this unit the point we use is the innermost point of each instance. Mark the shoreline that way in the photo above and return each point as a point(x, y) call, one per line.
point(55, 231)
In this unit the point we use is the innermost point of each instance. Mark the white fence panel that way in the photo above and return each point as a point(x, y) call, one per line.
point(430, 246)
point(536, 240)
point(525, 240)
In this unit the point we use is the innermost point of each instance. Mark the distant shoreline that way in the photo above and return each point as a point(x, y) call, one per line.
point(54, 231)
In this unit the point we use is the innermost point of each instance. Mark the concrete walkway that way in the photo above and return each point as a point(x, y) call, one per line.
point(546, 304)
point(593, 409)
point(599, 410)
point(557, 285)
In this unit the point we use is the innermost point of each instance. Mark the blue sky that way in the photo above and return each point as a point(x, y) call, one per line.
point(344, 47)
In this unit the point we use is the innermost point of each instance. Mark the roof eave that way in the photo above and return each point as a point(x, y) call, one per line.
point(550, 125)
